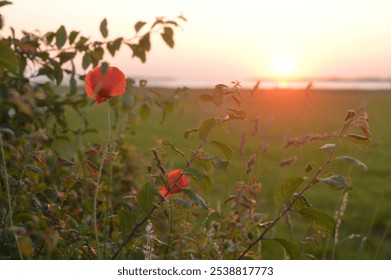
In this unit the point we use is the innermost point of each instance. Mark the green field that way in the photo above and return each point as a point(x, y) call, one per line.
point(282, 114)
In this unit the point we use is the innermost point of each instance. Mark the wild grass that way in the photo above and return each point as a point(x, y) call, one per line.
point(279, 115)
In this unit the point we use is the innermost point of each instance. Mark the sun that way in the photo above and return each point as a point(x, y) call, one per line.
point(283, 65)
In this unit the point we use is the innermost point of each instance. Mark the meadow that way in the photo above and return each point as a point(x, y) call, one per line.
point(273, 117)
point(107, 168)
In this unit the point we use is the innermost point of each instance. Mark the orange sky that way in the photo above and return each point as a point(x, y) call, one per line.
point(234, 40)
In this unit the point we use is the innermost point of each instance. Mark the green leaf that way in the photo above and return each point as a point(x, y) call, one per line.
point(218, 163)
point(168, 143)
point(205, 127)
point(318, 219)
point(199, 201)
point(291, 249)
point(81, 43)
point(308, 167)
point(195, 174)
point(72, 37)
point(6, 130)
point(61, 37)
point(66, 56)
point(139, 25)
point(284, 191)
point(103, 28)
point(34, 169)
point(127, 100)
point(98, 53)
point(138, 52)
point(127, 220)
point(328, 147)
point(58, 74)
point(359, 139)
point(200, 179)
point(224, 148)
point(145, 42)
point(353, 161)
point(301, 203)
point(146, 197)
point(205, 163)
point(3, 3)
point(144, 111)
point(87, 59)
point(182, 202)
point(64, 162)
point(168, 36)
point(49, 36)
point(26, 246)
point(8, 58)
point(336, 182)
point(235, 114)
point(114, 46)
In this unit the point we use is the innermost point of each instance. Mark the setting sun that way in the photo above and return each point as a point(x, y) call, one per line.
point(283, 65)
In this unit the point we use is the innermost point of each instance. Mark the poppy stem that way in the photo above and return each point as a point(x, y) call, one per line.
point(9, 196)
point(99, 178)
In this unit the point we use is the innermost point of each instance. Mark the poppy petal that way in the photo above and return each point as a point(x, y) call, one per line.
point(173, 175)
point(101, 87)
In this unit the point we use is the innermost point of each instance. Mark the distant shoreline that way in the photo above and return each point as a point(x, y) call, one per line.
point(352, 84)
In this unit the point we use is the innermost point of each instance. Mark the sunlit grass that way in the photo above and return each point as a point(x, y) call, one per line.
point(290, 113)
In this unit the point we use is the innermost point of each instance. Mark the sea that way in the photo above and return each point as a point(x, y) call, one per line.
point(346, 84)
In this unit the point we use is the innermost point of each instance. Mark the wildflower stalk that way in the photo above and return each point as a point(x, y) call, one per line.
point(300, 194)
point(338, 217)
point(99, 177)
point(9, 196)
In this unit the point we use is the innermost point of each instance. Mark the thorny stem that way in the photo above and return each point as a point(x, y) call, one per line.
point(9, 195)
point(307, 187)
point(99, 177)
point(149, 214)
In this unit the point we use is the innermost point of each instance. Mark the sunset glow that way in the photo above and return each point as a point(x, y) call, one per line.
point(283, 66)
point(234, 41)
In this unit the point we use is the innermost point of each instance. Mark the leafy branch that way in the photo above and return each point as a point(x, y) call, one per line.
point(204, 131)
point(358, 119)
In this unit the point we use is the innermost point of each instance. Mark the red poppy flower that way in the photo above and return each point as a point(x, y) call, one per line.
point(183, 182)
point(103, 86)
